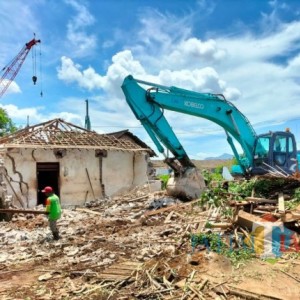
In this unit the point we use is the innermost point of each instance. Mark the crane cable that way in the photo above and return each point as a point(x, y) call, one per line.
point(41, 73)
point(34, 77)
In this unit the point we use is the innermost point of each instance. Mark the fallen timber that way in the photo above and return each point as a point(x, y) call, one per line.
point(23, 211)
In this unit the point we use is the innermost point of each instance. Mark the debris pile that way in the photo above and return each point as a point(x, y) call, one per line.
point(145, 245)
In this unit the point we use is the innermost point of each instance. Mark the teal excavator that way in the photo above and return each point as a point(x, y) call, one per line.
point(273, 151)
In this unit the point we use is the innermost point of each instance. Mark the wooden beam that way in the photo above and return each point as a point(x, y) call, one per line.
point(89, 211)
point(174, 207)
point(281, 208)
point(8, 181)
point(23, 211)
point(260, 200)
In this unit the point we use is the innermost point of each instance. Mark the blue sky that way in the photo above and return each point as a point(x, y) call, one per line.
point(247, 50)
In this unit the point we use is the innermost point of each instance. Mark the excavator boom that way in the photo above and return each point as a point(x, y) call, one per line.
point(148, 106)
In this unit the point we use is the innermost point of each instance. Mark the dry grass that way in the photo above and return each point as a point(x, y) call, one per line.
point(200, 164)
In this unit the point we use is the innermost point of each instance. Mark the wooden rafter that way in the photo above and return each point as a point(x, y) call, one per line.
point(58, 133)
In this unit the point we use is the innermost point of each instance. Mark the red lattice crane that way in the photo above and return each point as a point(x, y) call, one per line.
point(12, 69)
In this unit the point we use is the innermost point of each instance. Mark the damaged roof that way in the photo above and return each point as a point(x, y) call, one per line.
point(58, 133)
point(127, 135)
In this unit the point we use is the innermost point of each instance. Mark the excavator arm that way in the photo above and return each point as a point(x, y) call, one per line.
point(274, 151)
point(148, 105)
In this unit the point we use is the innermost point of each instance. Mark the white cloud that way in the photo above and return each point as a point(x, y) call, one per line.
point(20, 114)
point(17, 20)
point(18, 23)
point(253, 48)
point(81, 42)
point(161, 30)
point(37, 115)
point(251, 69)
point(68, 117)
point(202, 80)
point(12, 87)
point(71, 72)
point(293, 67)
point(194, 52)
point(123, 64)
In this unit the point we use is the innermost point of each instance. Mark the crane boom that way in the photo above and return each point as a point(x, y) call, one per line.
point(12, 69)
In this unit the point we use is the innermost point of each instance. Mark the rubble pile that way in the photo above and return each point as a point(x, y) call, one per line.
point(145, 245)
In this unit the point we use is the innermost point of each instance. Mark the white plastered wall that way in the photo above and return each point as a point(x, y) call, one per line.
point(121, 170)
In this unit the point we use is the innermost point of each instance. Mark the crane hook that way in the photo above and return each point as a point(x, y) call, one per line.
point(34, 79)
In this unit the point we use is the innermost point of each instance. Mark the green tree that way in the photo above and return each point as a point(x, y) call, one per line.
point(6, 124)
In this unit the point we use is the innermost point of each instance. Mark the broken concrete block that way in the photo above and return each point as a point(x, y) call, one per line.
point(155, 185)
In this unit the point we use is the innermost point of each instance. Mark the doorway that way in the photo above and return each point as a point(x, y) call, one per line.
point(47, 175)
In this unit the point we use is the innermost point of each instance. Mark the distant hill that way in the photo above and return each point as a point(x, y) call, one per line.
point(224, 156)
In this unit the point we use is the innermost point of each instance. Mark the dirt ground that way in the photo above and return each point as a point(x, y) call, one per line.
point(119, 249)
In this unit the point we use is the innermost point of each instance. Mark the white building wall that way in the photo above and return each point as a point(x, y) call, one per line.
point(76, 168)
point(140, 168)
point(121, 171)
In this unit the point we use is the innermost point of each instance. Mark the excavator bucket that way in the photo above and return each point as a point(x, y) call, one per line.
point(188, 186)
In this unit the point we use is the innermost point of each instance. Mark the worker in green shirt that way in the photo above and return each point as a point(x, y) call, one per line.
point(54, 210)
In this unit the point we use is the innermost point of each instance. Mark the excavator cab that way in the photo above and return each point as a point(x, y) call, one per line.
point(275, 151)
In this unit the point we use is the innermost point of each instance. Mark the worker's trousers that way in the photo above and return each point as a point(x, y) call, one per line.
point(54, 229)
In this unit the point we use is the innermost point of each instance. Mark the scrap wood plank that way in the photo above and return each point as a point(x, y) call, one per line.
point(266, 207)
point(164, 209)
point(23, 211)
point(220, 225)
point(281, 207)
point(12, 188)
point(247, 220)
point(124, 267)
point(131, 263)
point(179, 215)
point(88, 211)
point(168, 218)
point(112, 271)
point(260, 212)
point(121, 271)
point(233, 290)
point(196, 292)
point(113, 277)
point(260, 200)
point(238, 203)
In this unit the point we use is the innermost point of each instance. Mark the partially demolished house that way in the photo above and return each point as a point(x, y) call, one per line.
point(80, 165)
